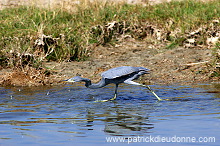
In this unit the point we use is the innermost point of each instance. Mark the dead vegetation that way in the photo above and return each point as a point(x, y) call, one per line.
point(78, 37)
point(27, 76)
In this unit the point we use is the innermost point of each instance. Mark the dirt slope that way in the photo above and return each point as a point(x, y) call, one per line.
point(179, 65)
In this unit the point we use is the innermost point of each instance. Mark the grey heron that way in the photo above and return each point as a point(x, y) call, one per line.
point(123, 74)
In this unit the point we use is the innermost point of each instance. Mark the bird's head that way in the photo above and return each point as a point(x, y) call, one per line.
point(74, 79)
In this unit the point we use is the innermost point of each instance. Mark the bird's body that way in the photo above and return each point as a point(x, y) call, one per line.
point(124, 74)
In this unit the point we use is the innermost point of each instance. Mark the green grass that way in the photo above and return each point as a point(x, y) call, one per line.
point(73, 31)
point(185, 15)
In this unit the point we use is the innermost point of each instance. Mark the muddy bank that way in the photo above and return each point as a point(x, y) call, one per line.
point(179, 65)
point(186, 64)
point(173, 57)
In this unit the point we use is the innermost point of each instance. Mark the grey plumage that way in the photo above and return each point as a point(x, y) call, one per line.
point(124, 74)
point(123, 71)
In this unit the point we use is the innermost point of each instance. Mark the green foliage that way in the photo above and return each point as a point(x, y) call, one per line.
point(70, 35)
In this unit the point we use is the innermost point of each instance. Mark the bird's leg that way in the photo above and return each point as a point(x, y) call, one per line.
point(134, 83)
point(148, 87)
point(152, 91)
point(115, 95)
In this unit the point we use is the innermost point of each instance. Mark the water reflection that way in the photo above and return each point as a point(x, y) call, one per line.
point(123, 124)
point(70, 111)
point(38, 107)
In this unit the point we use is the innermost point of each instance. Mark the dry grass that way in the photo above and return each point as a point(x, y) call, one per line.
point(28, 76)
point(68, 31)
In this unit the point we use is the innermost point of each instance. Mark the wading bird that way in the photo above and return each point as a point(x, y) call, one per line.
point(124, 74)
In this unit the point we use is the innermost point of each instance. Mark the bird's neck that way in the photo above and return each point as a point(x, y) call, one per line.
point(94, 86)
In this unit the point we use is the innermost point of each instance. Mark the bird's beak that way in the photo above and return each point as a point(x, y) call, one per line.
point(65, 80)
point(68, 80)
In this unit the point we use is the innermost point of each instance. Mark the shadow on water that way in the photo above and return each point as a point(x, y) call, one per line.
point(66, 114)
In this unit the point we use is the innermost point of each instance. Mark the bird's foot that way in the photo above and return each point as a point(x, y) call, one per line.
point(101, 100)
point(166, 99)
point(104, 100)
point(107, 99)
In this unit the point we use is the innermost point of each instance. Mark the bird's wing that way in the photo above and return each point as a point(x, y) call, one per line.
point(121, 71)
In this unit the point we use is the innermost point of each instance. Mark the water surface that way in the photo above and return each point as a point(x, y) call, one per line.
point(68, 115)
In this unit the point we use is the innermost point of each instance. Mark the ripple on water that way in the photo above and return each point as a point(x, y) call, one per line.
point(68, 114)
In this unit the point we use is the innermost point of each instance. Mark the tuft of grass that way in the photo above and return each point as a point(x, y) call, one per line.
point(186, 14)
point(216, 61)
point(30, 35)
